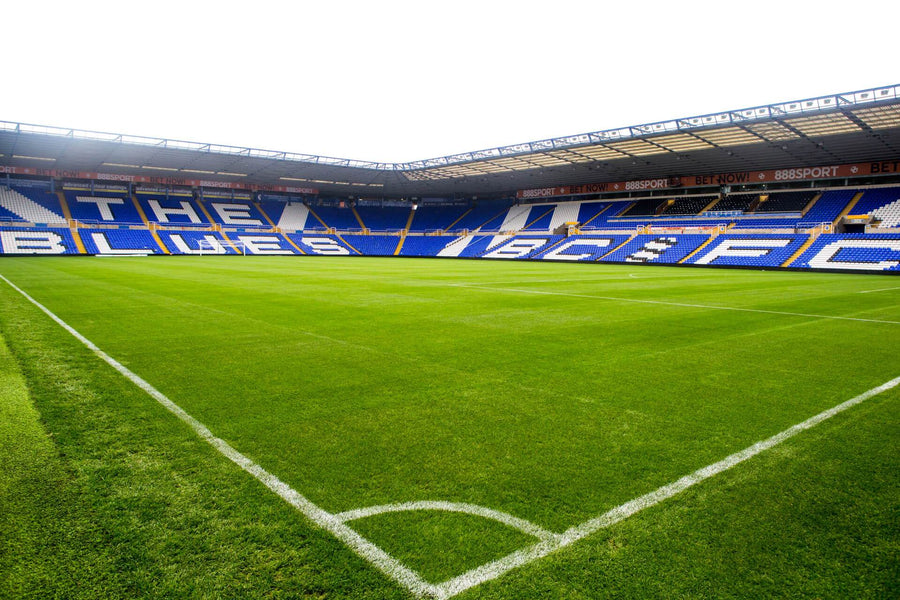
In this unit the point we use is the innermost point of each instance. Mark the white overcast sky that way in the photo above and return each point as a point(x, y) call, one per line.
point(397, 81)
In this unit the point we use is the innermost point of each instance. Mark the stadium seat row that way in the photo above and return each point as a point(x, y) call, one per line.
point(875, 252)
point(34, 204)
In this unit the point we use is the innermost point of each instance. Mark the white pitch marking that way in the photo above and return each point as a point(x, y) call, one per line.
point(366, 549)
point(402, 574)
point(881, 290)
point(522, 525)
point(560, 280)
point(496, 568)
point(682, 304)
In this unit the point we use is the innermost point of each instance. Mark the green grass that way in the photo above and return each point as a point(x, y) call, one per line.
point(522, 387)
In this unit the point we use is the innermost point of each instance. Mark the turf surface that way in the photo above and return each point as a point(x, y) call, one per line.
point(551, 392)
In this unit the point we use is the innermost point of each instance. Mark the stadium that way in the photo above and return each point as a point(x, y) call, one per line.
point(668, 368)
point(810, 184)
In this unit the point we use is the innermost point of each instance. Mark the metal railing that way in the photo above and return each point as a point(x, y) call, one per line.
point(743, 115)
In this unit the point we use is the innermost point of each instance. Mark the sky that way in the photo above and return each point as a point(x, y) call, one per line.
point(397, 81)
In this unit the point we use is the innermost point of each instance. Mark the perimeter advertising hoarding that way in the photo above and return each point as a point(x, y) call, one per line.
point(743, 177)
point(165, 181)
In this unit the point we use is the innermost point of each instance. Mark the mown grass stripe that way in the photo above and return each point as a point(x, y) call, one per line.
point(324, 519)
point(680, 304)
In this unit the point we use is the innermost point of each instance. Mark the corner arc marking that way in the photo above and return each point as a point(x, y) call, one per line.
point(522, 525)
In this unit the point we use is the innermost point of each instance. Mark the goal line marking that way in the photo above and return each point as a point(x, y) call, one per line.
point(550, 542)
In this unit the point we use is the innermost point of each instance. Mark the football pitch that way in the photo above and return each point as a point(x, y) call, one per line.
point(287, 427)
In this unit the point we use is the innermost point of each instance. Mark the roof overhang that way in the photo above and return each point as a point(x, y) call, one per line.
point(841, 129)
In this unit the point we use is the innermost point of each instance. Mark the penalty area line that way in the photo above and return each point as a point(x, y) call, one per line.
point(334, 525)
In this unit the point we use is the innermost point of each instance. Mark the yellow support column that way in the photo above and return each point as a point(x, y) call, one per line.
point(409, 221)
point(461, 217)
point(358, 218)
point(811, 203)
point(146, 221)
point(630, 206)
point(801, 250)
point(552, 246)
point(276, 229)
point(72, 226)
point(217, 226)
point(348, 245)
point(319, 219)
point(538, 219)
point(400, 243)
point(606, 208)
point(848, 208)
point(699, 248)
point(634, 235)
point(710, 205)
point(265, 216)
point(405, 232)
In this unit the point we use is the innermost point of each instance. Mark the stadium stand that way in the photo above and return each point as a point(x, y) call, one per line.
point(686, 206)
point(643, 208)
point(337, 217)
point(883, 204)
point(487, 216)
point(261, 242)
point(590, 213)
point(321, 244)
point(540, 218)
point(889, 215)
point(433, 218)
point(828, 207)
point(661, 249)
point(174, 209)
point(565, 212)
point(188, 242)
point(386, 218)
point(119, 241)
point(421, 245)
point(102, 207)
point(787, 202)
point(373, 245)
point(736, 202)
point(618, 195)
point(582, 247)
point(232, 213)
point(472, 245)
point(30, 205)
point(289, 216)
point(37, 240)
point(521, 246)
point(773, 223)
point(853, 251)
point(108, 221)
point(763, 250)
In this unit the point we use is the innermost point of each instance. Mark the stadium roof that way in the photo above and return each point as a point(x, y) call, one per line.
point(844, 128)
